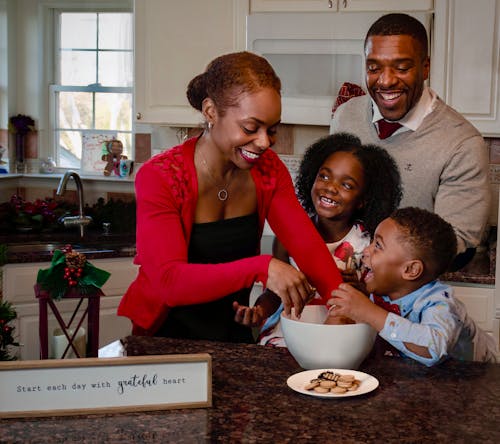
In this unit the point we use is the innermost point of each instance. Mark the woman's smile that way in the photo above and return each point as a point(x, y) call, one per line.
point(249, 156)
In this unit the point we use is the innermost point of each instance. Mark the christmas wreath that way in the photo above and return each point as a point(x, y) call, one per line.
point(7, 314)
point(70, 270)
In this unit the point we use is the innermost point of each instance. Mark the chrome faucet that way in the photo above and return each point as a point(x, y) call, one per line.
point(81, 220)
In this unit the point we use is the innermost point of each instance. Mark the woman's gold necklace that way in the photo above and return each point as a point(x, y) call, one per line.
point(222, 194)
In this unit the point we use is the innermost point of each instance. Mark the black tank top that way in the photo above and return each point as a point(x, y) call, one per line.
point(211, 243)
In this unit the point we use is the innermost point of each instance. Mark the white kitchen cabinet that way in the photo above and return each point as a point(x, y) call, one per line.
point(174, 41)
point(466, 57)
point(18, 282)
point(339, 5)
point(293, 5)
point(314, 54)
point(386, 5)
point(480, 303)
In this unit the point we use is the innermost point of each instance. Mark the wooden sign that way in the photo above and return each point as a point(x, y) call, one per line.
point(105, 385)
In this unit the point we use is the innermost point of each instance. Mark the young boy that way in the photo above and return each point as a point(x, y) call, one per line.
point(415, 313)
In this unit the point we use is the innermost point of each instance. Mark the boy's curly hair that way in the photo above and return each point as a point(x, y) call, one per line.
point(432, 239)
point(382, 192)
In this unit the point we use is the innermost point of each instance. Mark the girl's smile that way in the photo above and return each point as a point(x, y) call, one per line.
point(337, 190)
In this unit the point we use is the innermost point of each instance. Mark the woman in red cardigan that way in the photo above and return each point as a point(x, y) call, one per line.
point(201, 208)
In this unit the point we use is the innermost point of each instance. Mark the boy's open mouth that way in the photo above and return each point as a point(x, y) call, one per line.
point(366, 272)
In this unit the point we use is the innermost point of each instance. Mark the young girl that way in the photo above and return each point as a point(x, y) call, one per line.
point(347, 188)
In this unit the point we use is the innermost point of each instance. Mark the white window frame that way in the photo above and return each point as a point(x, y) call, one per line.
point(49, 63)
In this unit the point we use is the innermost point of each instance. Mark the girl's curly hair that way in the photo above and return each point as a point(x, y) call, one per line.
point(382, 192)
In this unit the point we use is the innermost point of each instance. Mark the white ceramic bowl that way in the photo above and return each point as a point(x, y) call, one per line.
point(315, 345)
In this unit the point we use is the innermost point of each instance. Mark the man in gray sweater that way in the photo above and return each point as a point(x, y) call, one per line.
point(442, 158)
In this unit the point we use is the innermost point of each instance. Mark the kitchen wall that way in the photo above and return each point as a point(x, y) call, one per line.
point(294, 139)
point(26, 89)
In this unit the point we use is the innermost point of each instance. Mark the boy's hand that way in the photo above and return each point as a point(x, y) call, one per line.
point(248, 316)
point(338, 320)
point(352, 303)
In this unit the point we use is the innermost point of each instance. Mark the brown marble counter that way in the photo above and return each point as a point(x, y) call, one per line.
point(454, 403)
point(480, 270)
point(95, 245)
point(39, 247)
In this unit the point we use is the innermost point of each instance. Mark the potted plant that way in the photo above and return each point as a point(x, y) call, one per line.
point(7, 315)
point(20, 125)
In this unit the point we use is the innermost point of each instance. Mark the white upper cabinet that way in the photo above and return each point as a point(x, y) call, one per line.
point(314, 56)
point(465, 63)
point(293, 5)
point(386, 5)
point(174, 41)
point(339, 5)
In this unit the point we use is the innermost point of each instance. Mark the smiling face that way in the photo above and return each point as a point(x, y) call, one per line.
point(387, 259)
point(243, 132)
point(116, 147)
point(338, 187)
point(396, 69)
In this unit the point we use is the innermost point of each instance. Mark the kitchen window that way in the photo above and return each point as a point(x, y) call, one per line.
point(92, 97)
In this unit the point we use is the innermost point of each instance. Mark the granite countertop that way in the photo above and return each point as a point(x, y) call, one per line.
point(480, 270)
point(96, 245)
point(454, 402)
point(27, 248)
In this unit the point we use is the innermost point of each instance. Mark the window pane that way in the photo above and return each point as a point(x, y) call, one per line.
point(75, 110)
point(113, 111)
point(78, 30)
point(115, 68)
point(70, 149)
point(126, 139)
point(95, 49)
point(115, 31)
point(78, 68)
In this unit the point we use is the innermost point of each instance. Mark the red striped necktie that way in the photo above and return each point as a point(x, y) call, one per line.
point(386, 129)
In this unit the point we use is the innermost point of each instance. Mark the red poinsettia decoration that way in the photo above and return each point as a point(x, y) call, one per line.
point(7, 341)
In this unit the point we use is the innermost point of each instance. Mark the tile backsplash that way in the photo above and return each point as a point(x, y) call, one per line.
point(292, 139)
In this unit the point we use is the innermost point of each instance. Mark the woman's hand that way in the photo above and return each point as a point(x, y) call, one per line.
point(290, 285)
point(248, 316)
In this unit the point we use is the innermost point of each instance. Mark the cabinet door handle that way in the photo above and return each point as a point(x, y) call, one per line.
point(345, 3)
point(138, 116)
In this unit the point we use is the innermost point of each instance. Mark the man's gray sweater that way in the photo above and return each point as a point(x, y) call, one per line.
point(443, 164)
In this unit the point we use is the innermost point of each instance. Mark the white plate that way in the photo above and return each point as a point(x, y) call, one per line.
point(298, 381)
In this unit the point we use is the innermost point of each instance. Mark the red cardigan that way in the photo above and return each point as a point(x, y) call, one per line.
point(166, 192)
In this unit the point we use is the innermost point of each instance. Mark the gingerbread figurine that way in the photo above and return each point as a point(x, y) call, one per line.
point(112, 155)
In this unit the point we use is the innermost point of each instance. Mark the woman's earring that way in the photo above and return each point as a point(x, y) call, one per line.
point(210, 125)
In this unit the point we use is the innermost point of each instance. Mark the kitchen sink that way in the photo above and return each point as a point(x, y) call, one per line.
point(39, 247)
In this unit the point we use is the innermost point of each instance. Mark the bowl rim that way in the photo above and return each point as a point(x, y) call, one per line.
point(358, 325)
